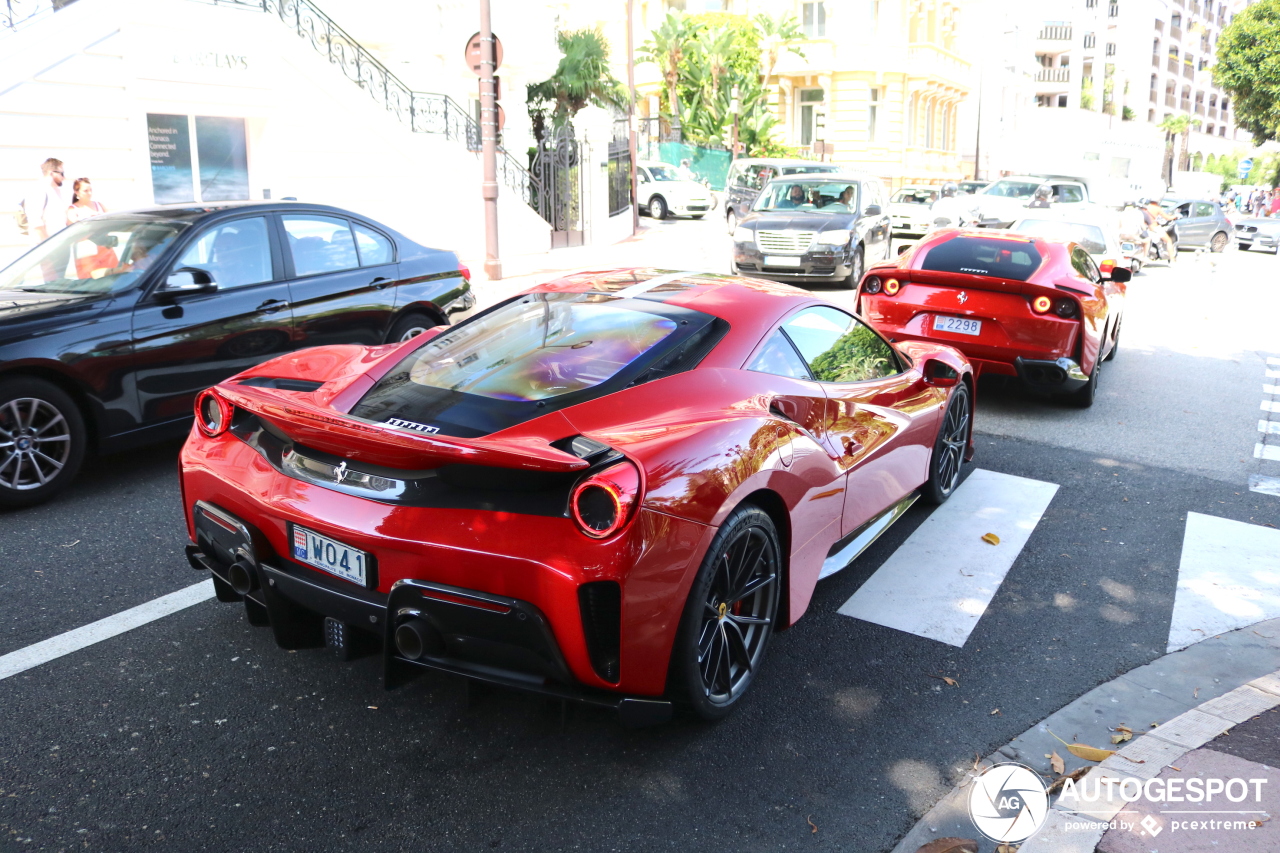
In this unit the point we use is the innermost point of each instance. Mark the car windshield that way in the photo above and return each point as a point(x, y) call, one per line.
point(821, 195)
point(95, 256)
point(1012, 189)
point(1000, 257)
point(667, 173)
point(1090, 237)
point(915, 196)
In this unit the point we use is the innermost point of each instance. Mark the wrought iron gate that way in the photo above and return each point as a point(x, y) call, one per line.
point(558, 168)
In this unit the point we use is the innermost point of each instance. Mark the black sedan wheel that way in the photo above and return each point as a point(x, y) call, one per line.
point(856, 266)
point(42, 441)
point(409, 326)
point(729, 616)
point(948, 450)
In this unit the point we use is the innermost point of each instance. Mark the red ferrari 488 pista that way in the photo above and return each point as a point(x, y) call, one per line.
point(611, 488)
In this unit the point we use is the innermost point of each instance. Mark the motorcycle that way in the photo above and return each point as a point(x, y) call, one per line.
point(1157, 250)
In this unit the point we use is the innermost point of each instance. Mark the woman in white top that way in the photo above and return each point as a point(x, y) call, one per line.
point(82, 204)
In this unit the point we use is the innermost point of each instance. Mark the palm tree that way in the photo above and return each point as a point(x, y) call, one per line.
point(666, 49)
point(774, 32)
point(1174, 126)
point(581, 78)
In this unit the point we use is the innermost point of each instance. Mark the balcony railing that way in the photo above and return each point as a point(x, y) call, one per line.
point(1113, 10)
point(1056, 32)
point(1159, 26)
point(932, 60)
point(1090, 41)
point(1155, 60)
point(1185, 105)
point(1188, 71)
point(1155, 96)
point(1175, 33)
point(1200, 109)
point(1174, 65)
point(1053, 75)
point(1170, 100)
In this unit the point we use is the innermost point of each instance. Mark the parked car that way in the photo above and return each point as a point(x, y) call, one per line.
point(1201, 224)
point(110, 328)
point(541, 497)
point(747, 177)
point(1263, 233)
point(972, 187)
point(1097, 231)
point(1037, 309)
point(1002, 202)
point(814, 229)
point(665, 190)
point(909, 210)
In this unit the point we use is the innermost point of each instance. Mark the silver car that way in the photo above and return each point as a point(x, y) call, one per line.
point(1263, 233)
point(1200, 225)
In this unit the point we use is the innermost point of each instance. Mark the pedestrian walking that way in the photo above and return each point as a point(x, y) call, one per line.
point(82, 203)
point(46, 209)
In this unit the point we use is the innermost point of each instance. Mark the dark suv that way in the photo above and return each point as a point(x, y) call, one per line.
point(814, 228)
point(747, 177)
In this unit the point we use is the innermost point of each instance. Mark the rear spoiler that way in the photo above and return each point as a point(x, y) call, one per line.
point(981, 282)
point(342, 435)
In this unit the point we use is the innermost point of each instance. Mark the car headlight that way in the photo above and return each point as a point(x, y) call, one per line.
point(1127, 247)
point(744, 235)
point(836, 237)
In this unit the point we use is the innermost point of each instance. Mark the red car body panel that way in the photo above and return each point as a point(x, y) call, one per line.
point(703, 440)
point(1010, 328)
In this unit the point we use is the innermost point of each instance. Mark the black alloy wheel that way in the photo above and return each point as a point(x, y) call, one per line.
point(731, 220)
point(1218, 242)
point(658, 207)
point(729, 616)
point(409, 326)
point(948, 450)
point(42, 441)
point(856, 267)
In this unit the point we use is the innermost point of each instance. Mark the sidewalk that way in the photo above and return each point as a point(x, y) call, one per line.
point(1208, 712)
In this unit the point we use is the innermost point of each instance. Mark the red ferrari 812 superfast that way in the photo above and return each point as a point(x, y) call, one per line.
point(612, 488)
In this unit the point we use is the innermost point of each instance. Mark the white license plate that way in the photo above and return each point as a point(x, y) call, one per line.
point(333, 557)
point(780, 261)
point(958, 325)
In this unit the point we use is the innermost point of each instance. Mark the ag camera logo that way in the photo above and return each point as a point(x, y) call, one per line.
point(1008, 803)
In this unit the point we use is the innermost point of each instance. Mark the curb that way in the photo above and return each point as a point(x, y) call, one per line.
point(1238, 673)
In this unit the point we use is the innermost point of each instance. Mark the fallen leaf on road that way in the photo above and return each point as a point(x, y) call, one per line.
point(72, 544)
point(951, 682)
point(1155, 725)
point(1134, 760)
point(1006, 848)
point(950, 845)
point(993, 713)
point(991, 539)
point(1088, 753)
point(1121, 737)
point(1055, 761)
point(1195, 694)
point(1265, 636)
point(1075, 776)
point(809, 820)
point(1124, 728)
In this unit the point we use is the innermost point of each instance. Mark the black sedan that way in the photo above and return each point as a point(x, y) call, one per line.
point(1263, 233)
point(813, 229)
point(110, 328)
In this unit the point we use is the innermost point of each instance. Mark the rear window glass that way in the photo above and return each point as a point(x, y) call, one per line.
point(1088, 236)
point(993, 256)
point(539, 347)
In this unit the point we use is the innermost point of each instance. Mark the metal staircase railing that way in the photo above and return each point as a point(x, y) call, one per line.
point(422, 112)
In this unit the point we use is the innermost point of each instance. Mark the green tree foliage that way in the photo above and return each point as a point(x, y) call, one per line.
point(856, 356)
point(666, 49)
point(1248, 67)
point(1176, 126)
point(582, 77)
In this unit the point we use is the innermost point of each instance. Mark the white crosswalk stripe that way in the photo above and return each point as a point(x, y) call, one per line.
point(1266, 451)
point(1228, 578)
point(941, 580)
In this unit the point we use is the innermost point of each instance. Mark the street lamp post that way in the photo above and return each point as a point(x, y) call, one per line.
point(489, 143)
point(631, 116)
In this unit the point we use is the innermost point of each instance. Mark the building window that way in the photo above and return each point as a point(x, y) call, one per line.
point(810, 105)
point(813, 20)
point(873, 116)
point(929, 124)
point(1175, 20)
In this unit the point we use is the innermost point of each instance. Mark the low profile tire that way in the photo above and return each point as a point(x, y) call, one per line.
point(729, 616)
point(1084, 396)
point(1115, 342)
point(1218, 242)
point(857, 265)
point(410, 326)
point(42, 441)
point(731, 220)
point(658, 207)
point(949, 448)
point(1244, 247)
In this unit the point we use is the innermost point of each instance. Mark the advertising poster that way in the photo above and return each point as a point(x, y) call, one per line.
point(224, 162)
point(170, 142)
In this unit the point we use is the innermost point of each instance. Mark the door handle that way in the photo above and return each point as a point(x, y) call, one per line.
point(784, 409)
point(850, 446)
point(271, 306)
point(380, 282)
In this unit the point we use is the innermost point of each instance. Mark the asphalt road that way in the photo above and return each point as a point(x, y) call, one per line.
point(195, 732)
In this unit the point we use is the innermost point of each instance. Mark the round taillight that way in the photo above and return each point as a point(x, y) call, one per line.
point(1065, 308)
point(871, 285)
point(891, 287)
point(213, 414)
point(602, 504)
point(1041, 304)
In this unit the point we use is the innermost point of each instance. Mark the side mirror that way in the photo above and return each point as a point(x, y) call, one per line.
point(644, 179)
point(939, 374)
point(107, 241)
point(188, 280)
point(1120, 275)
point(872, 210)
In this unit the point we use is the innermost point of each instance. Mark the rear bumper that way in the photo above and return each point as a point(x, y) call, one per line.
point(494, 639)
point(815, 267)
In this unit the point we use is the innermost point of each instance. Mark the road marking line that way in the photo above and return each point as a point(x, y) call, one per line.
point(1271, 389)
point(1269, 427)
point(1273, 374)
point(1266, 451)
point(1274, 361)
point(104, 629)
point(940, 581)
point(1228, 578)
point(1271, 405)
point(1264, 485)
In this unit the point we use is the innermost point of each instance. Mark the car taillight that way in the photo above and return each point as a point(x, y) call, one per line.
point(891, 287)
point(871, 285)
point(603, 503)
point(213, 413)
point(1065, 307)
point(465, 271)
point(1041, 304)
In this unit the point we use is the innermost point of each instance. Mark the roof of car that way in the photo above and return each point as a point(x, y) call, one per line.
point(827, 176)
point(197, 210)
